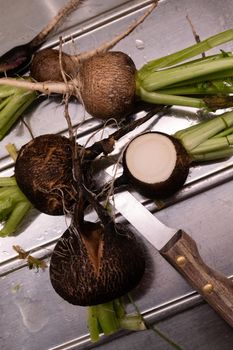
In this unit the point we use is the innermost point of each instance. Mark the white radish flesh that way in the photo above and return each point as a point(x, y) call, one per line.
point(151, 157)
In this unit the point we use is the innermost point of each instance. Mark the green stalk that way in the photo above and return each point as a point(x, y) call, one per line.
point(215, 87)
point(187, 53)
point(7, 192)
point(225, 75)
point(158, 98)
point(14, 193)
point(188, 131)
point(7, 181)
point(5, 102)
point(13, 205)
point(197, 134)
point(212, 156)
point(6, 90)
point(14, 109)
point(5, 208)
point(218, 56)
point(213, 144)
point(93, 324)
point(132, 323)
point(107, 318)
point(15, 218)
point(225, 132)
point(126, 321)
point(11, 149)
point(119, 308)
point(164, 78)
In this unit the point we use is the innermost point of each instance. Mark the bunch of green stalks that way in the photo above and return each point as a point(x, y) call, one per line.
point(205, 82)
point(209, 140)
point(14, 101)
point(14, 206)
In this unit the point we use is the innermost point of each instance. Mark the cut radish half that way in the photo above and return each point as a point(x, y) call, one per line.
point(156, 164)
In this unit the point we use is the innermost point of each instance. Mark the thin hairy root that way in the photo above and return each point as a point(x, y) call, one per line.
point(110, 44)
point(60, 16)
point(66, 97)
point(196, 36)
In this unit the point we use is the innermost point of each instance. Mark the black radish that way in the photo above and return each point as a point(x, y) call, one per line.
point(156, 164)
point(45, 66)
point(93, 263)
point(17, 59)
point(110, 79)
point(43, 171)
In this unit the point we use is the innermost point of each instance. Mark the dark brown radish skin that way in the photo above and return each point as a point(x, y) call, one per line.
point(167, 186)
point(43, 171)
point(107, 85)
point(94, 264)
point(46, 66)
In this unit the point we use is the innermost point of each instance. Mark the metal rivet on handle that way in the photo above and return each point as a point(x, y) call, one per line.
point(208, 288)
point(180, 260)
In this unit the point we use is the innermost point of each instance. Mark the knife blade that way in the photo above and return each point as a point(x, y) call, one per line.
point(181, 251)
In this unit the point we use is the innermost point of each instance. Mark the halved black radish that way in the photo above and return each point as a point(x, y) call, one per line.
point(156, 164)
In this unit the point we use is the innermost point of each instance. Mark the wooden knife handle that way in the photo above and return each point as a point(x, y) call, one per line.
point(182, 252)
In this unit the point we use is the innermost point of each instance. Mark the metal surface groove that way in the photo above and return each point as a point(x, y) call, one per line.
point(151, 316)
point(194, 188)
point(102, 20)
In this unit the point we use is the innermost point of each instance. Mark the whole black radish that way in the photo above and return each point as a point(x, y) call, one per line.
point(43, 171)
point(47, 65)
point(94, 263)
point(107, 85)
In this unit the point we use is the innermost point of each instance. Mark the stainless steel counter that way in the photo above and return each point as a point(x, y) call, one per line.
point(33, 316)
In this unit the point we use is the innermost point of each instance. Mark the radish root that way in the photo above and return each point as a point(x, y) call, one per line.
point(61, 15)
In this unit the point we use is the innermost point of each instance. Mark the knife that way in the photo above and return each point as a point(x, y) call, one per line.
point(181, 251)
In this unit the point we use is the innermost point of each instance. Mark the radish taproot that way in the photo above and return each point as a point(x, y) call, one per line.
point(17, 59)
